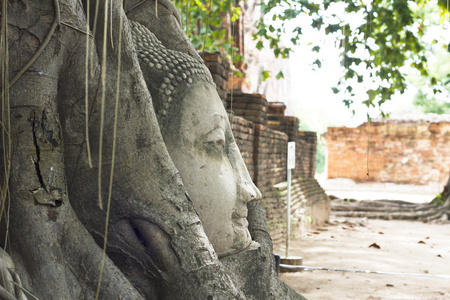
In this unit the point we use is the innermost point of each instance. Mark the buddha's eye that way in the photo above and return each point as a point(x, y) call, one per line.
point(215, 141)
point(219, 144)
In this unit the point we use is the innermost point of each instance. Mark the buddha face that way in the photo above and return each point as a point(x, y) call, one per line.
point(204, 151)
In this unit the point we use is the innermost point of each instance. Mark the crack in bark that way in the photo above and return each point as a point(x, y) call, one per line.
point(34, 124)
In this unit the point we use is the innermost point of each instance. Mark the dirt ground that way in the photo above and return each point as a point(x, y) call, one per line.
point(404, 247)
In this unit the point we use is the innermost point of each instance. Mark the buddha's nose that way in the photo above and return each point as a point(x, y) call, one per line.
point(248, 191)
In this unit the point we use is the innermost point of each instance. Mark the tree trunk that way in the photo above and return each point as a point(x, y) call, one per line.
point(156, 244)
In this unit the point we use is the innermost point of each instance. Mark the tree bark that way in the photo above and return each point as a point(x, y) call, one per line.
point(156, 242)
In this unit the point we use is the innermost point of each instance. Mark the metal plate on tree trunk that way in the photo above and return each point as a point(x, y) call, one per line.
point(292, 261)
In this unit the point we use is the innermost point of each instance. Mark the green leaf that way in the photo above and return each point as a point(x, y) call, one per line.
point(262, 32)
point(297, 30)
point(348, 102)
point(371, 93)
point(318, 63)
point(280, 75)
point(286, 52)
point(238, 73)
point(332, 28)
point(316, 49)
point(259, 45)
point(317, 23)
point(265, 74)
point(277, 52)
point(350, 74)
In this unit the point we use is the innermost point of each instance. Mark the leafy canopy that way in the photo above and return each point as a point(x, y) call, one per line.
point(207, 24)
point(379, 39)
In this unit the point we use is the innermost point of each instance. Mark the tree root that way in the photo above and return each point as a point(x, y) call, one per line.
point(437, 209)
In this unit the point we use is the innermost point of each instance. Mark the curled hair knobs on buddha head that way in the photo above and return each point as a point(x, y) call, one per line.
point(165, 71)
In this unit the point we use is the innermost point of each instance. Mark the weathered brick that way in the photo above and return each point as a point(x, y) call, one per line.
point(399, 152)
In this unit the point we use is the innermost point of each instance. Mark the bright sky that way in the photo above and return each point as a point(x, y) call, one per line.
point(313, 100)
point(314, 97)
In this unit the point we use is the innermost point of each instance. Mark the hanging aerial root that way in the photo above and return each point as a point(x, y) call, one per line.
point(38, 53)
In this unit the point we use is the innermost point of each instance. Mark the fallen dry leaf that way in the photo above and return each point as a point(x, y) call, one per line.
point(439, 255)
point(427, 238)
point(374, 245)
point(389, 285)
point(380, 232)
point(421, 242)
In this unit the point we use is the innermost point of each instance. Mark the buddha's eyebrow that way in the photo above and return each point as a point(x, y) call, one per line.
point(210, 123)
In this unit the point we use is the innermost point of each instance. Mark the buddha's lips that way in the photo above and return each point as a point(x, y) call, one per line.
point(241, 214)
point(241, 222)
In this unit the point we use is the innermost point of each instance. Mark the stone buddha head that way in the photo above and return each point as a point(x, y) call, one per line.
point(198, 137)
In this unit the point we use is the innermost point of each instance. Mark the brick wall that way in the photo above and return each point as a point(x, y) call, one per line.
point(253, 107)
point(403, 152)
point(310, 206)
point(305, 141)
point(262, 131)
point(286, 124)
point(305, 166)
point(269, 156)
point(244, 132)
point(264, 152)
point(219, 69)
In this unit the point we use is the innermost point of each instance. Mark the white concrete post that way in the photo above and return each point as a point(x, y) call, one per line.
point(290, 166)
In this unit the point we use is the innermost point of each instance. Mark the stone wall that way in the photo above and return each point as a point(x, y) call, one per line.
point(403, 152)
